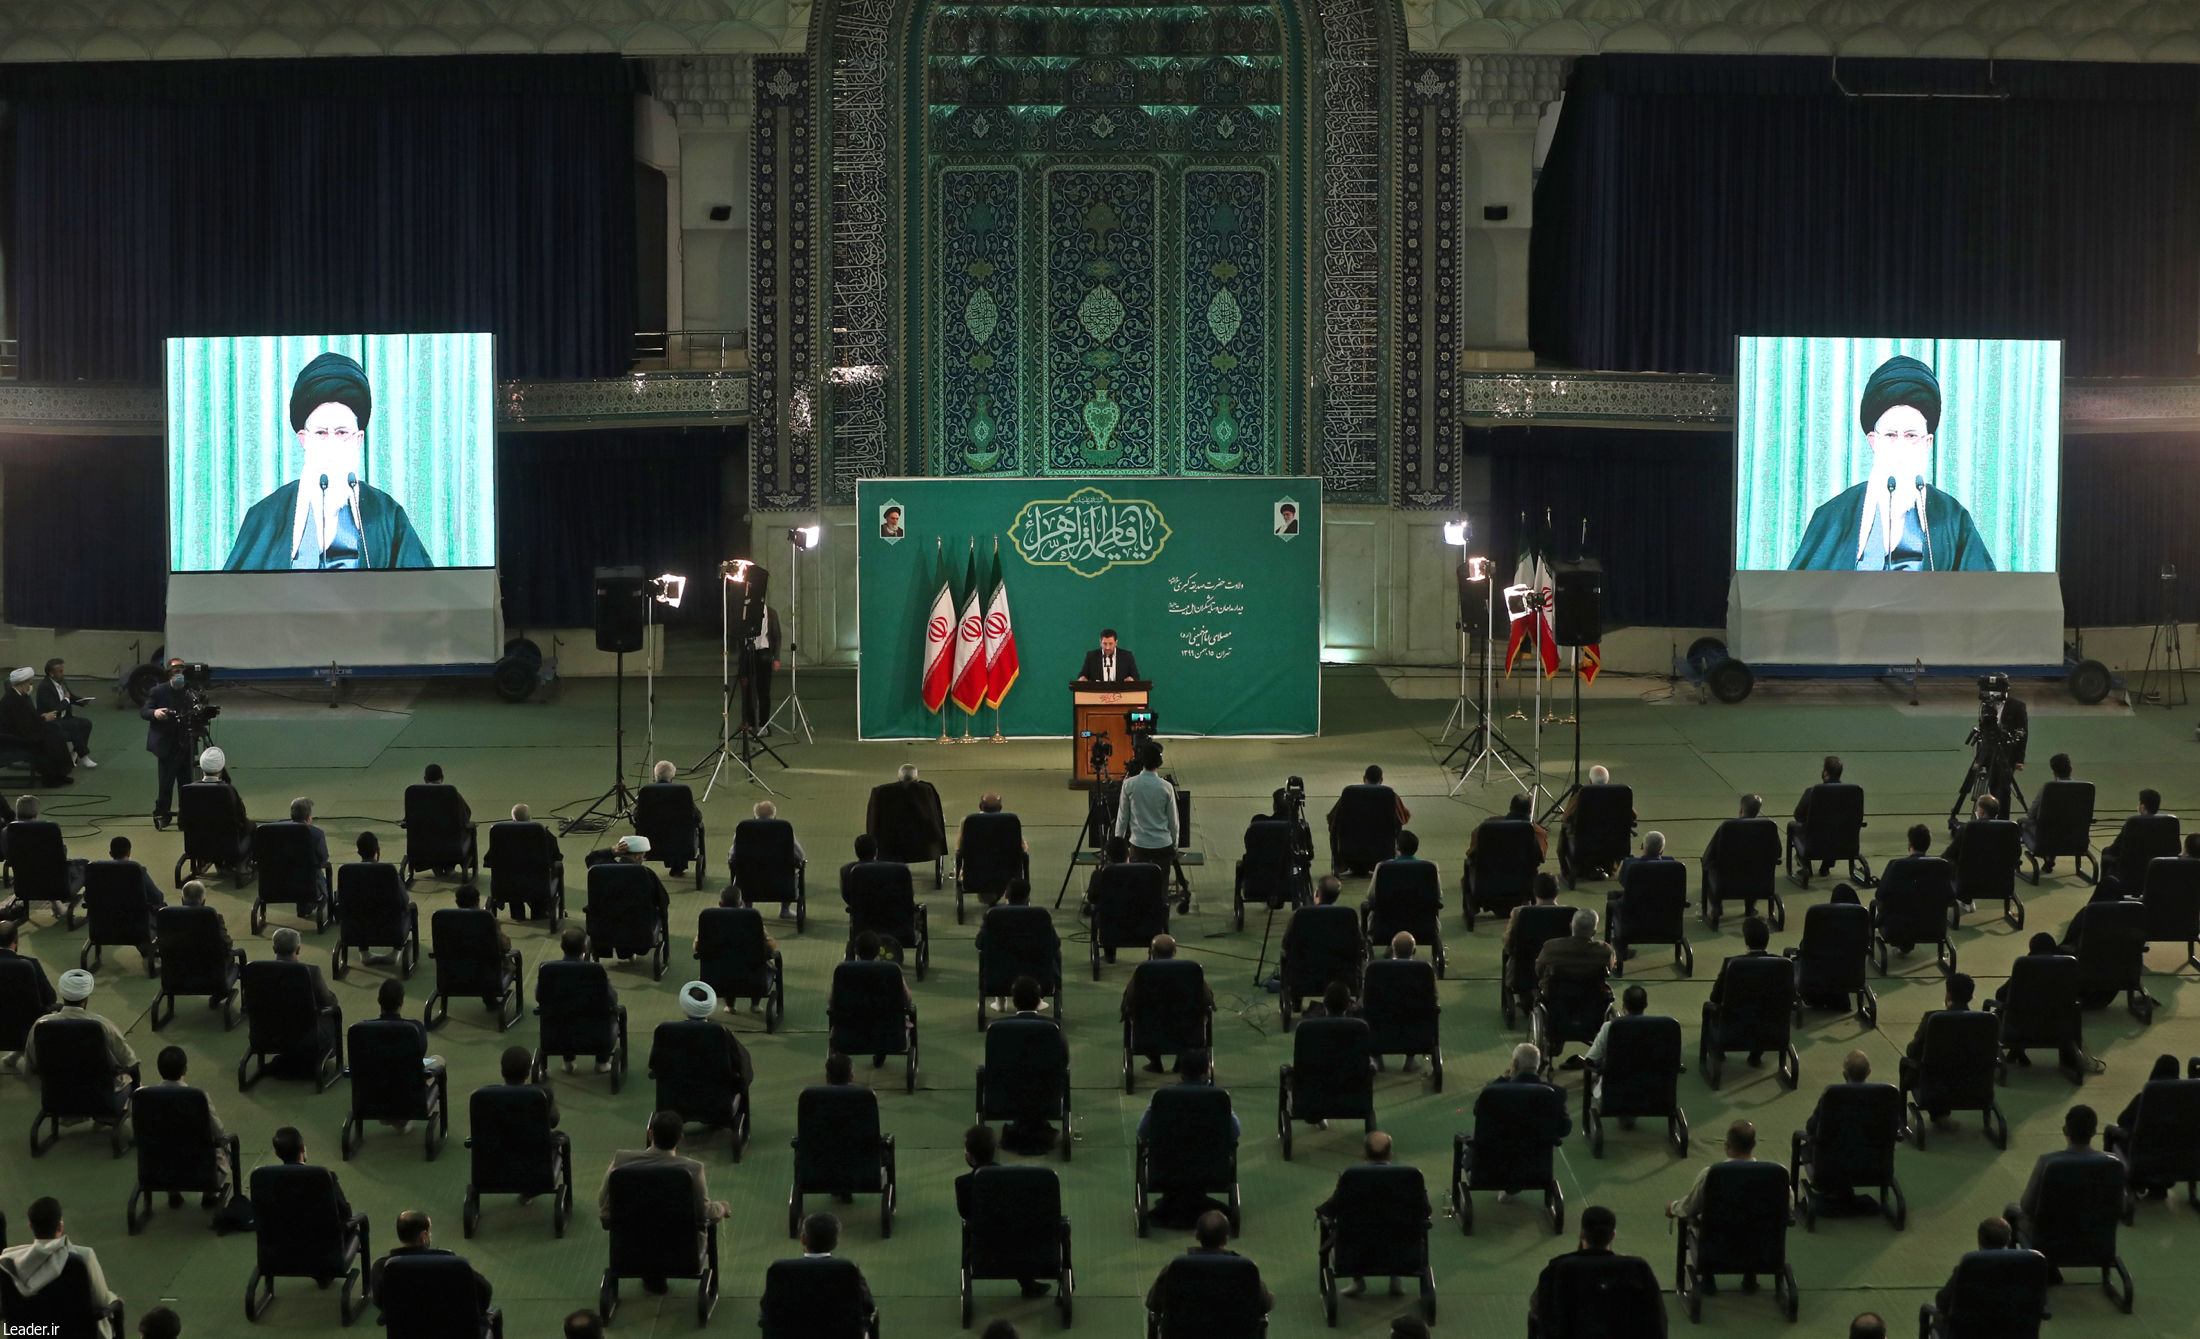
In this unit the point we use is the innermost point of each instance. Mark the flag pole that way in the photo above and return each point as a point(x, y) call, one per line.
point(939, 559)
point(998, 737)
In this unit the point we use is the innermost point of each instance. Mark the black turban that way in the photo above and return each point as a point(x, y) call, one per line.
point(331, 378)
point(1900, 380)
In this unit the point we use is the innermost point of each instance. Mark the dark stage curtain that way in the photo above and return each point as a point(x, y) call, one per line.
point(155, 199)
point(2127, 508)
point(1659, 507)
point(83, 531)
point(569, 502)
point(1689, 200)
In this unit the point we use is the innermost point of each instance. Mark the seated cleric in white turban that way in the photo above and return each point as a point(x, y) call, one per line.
point(328, 518)
point(1895, 521)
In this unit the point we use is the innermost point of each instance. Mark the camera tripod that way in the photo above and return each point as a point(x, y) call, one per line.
point(618, 797)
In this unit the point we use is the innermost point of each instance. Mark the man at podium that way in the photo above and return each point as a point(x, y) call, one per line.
point(1111, 663)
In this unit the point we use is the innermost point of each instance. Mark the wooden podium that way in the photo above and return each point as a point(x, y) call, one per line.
point(1102, 709)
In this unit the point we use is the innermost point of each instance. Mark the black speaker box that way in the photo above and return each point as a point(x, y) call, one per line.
point(1577, 602)
point(621, 598)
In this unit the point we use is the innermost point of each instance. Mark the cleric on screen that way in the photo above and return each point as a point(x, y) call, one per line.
point(1895, 521)
point(327, 518)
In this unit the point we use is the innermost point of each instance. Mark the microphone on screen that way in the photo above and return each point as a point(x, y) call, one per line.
point(321, 560)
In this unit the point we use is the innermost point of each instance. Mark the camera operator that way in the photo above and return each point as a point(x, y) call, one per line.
point(177, 716)
point(2000, 737)
point(1147, 814)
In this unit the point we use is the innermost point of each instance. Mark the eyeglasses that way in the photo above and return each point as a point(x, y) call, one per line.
point(332, 434)
point(1910, 438)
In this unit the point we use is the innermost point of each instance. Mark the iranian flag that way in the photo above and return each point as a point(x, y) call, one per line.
point(1535, 623)
point(939, 636)
point(970, 640)
point(1000, 636)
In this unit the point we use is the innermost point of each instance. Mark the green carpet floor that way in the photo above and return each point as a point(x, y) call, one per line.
point(1685, 761)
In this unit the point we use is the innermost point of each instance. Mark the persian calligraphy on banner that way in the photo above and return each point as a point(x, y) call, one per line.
point(1089, 532)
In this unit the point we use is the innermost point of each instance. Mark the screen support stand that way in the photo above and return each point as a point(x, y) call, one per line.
point(1573, 788)
point(618, 797)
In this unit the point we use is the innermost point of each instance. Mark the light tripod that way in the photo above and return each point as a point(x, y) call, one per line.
point(1486, 745)
point(618, 796)
point(730, 573)
point(799, 538)
point(2167, 645)
point(667, 590)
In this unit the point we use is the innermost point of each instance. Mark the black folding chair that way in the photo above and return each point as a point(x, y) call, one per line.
point(1019, 941)
point(1379, 1227)
point(623, 916)
point(195, 959)
point(1652, 909)
point(1859, 1125)
point(77, 1081)
point(2039, 1010)
point(2162, 1147)
point(812, 1297)
point(1500, 875)
point(116, 915)
point(1130, 905)
point(517, 1152)
point(292, 869)
point(1986, 868)
point(1398, 1002)
point(840, 1150)
point(1169, 1015)
point(868, 1013)
point(1600, 833)
point(1517, 1128)
point(1364, 831)
point(1331, 1076)
point(63, 1307)
point(1833, 831)
point(1639, 1077)
point(1742, 1229)
point(1599, 1296)
point(1916, 904)
point(390, 1083)
point(1746, 869)
point(303, 1233)
point(470, 960)
point(578, 1018)
point(206, 814)
point(1273, 871)
point(434, 1297)
point(1190, 1148)
point(1322, 945)
point(1956, 1071)
point(437, 835)
point(1992, 1294)
point(1533, 927)
point(2172, 898)
point(1017, 1230)
point(1408, 895)
point(766, 868)
point(734, 958)
point(526, 871)
point(1830, 962)
point(1756, 1015)
point(2081, 1205)
point(880, 897)
point(284, 1020)
point(2143, 838)
point(2112, 957)
point(654, 1235)
point(1209, 1297)
point(666, 813)
point(35, 862)
point(1025, 1075)
point(176, 1150)
point(372, 911)
point(2059, 826)
point(992, 853)
point(1570, 1009)
point(698, 1078)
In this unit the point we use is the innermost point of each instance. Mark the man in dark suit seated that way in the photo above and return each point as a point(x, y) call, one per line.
point(118, 853)
point(2079, 1126)
point(1653, 851)
point(662, 1138)
point(1111, 663)
point(1756, 936)
point(980, 1150)
point(573, 947)
point(1546, 895)
point(301, 813)
point(57, 704)
point(1019, 895)
point(2120, 863)
point(905, 818)
point(1162, 950)
point(1399, 1208)
point(1985, 811)
point(1373, 776)
point(1519, 810)
point(2041, 945)
point(1837, 1198)
point(1599, 1226)
point(42, 989)
point(20, 720)
point(1994, 1234)
point(1960, 989)
point(290, 1150)
point(1599, 775)
point(665, 806)
point(1409, 856)
point(286, 943)
point(2058, 768)
point(1526, 1067)
point(820, 1238)
point(214, 768)
point(1212, 1232)
point(415, 1235)
point(461, 812)
point(1829, 773)
point(1917, 869)
point(1576, 955)
point(634, 851)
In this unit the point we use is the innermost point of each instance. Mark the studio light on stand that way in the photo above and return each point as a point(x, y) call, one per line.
point(733, 575)
point(1486, 744)
point(667, 590)
point(800, 539)
point(1458, 534)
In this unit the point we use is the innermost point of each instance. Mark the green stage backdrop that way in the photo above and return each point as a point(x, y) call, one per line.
point(1214, 591)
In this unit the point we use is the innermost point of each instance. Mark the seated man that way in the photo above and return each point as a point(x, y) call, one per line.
point(41, 997)
point(39, 1262)
point(2124, 859)
point(573, 947)
point(1033, 1136)
point(461, 812)
point(1994, 1234)
point(1213, 1235)
point(2079, 1127)
point(529, 900)
point(1577, 954)
point(665, 811)
point(980, 1150)
point(214, 767)
point(1019, 895)
point(2059, 769)
point(390, 997)
point(1599, 775)
point(1986, 810)
point(1175, 1209)
point(1634, 1002)
point(1517, 810)
point(290, 1150)
point(1829, 773)
point(1959, 990)
point(56, 703)
point(1376, 1150)
point(416, 1236)
point(1741, 1146)
point(904, 817)
point(634, 851)
point(2117, 1137)
point(868, 947)
point(988, 803)
point(1163, 949)
point(1546, 895)
point(21, 721)
point(2041, 945)
point(662, 1143)
point(1653, 851)
point(1599, 1226)
point(301, 815)
point(118, 853)
point(174, 1064)
point(1408, 871)
point(764, 809)
point(1756, 936)
point(820, 1238)
point(698, 1004)
point(76, 1002)
point(369, 848)
point(1371, 802)
point(1837, 1197)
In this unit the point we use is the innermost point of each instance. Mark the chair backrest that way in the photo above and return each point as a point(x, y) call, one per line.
point(76, 1076)
point(62, 1308)
point(520, 857)
point(868, 1008)
point(2146, 837)
point(1835, 824)
point(2165, 1131)
point(1534, 926)
point(2171, 894)
point(1654, 901)
point(1743, 1225)
point(370, 903)
point(837, 1138)
point(2112, 951)
point(289, 860)
point(572, 998)
point(1516, 1127)
point(1015, 1223)
point(281, 1012)
point(1858, 1126)
point(1986, 869)
point(1329, 1055)
point(1382, 1220)
point(664, 812)
point(1169, 1010)
point(1999, 1294)
point(1748, 857)
point(1190, 1144)
point(430, 1297)
point(2062, 818)
point(174, 1129)
point(1956, 1068)
point(1215, 1296)
point(992, 851)
point(434, 831)
point(1642, 1066)
point(1027, 1056)
point(1600, 1296)
point(812, 1298)
point(1837, 942)
point(2041, 1006)
point(1399, 1003)
point(1914, 895)
point(509, 1126)
point(880, 896)
point(2081, 1203)
point(730, 950)
point(1574, 1006)
point(21, 1002)
point(1019, 941)
point(1409, 896)
point(1366, 825)
point(622, 905)
point(39, 859)
point(1505, 860)
point(1271, 863)
point(205, 811)
point(695, 1069)
point(764, 860)
point(906, 822)
point(1759, 999)
point(194, 950)
point(385, 1056)
point(1130, 901)
point(114, 903)
point(1604, 819)
point(652, 1222)
point(1323, 945)
point(468, 958)
point(299, 1213)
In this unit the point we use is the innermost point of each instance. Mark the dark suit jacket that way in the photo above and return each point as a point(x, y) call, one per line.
point(1916, 1049)
point(374, 1279)
point(2031, 1201)
point(163, 739)
point(19, 717)
point(1126, 664)
point(47, 697)
point(45, 987)
point(1154, 1294)
point(146, 887)
point(322, 995)
point(1395, 1203)
point(1718, 987)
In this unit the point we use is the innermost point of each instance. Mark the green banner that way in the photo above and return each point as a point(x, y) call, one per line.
point(1213, 585)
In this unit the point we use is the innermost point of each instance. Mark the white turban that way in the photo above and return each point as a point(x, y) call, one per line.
point(213, 761)
point(698, 1000)
point(23, 675)
point(76, 986)
point(635, 845)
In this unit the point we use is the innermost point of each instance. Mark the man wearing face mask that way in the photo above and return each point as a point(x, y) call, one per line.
point(167, 738)
point(329, 517)
point(1895, 521)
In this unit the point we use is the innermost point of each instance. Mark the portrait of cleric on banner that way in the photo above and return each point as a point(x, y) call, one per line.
point(375, 453)
point(1864, 455)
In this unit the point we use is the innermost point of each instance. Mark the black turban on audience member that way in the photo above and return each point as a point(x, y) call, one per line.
point(333, 378)
point(1900, 380)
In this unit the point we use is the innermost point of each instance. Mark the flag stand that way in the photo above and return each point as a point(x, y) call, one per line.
point(1573, 788)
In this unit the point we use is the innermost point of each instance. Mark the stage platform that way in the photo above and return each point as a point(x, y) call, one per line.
point(1686, 761)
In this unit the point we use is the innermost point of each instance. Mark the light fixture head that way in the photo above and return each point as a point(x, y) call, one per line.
point(669, 590)
point(736, 570)
point(1459, 533)
point(805, 536)
point(1478, 569)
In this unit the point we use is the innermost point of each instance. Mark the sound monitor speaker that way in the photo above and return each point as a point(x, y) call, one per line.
point(621, 597)
point(1577, 603)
